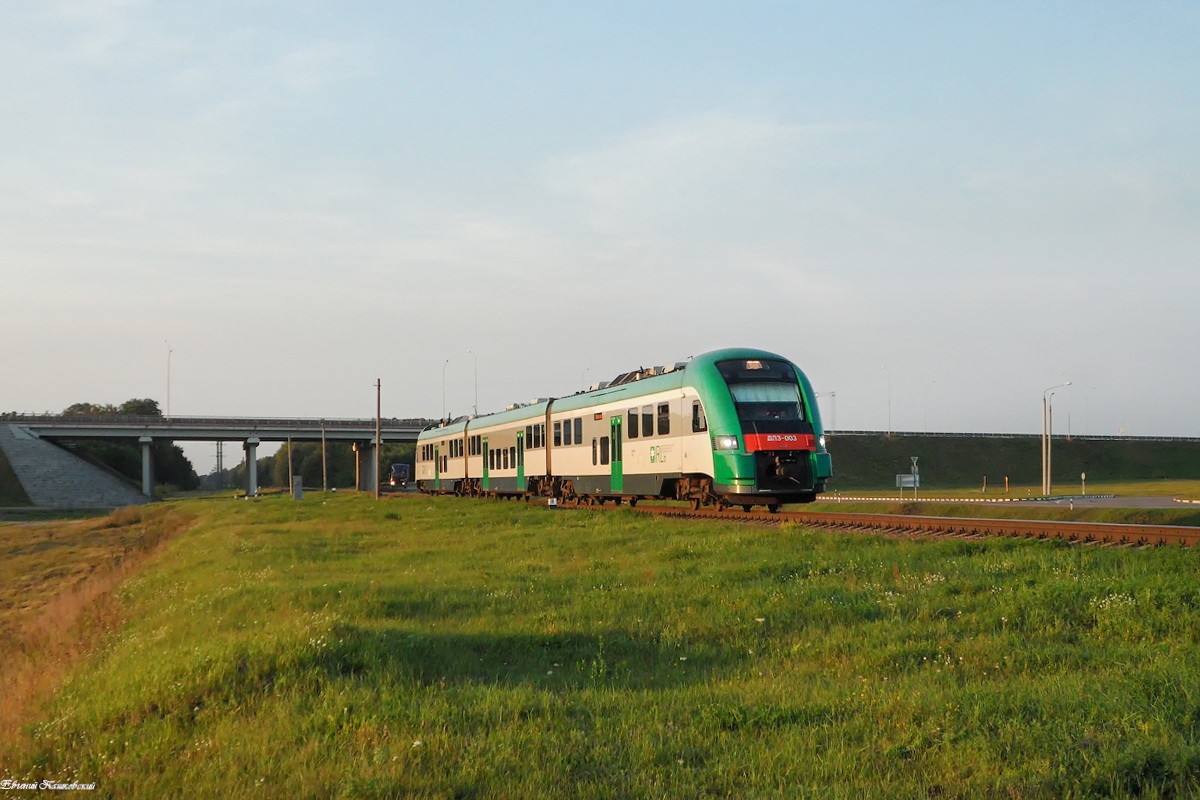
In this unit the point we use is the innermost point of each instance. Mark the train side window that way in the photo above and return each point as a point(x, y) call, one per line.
point(647, 420)
point(504, 458)
point(594, 451)
point(557, 434)
point(491, 459)
point(603, 449)
point(529, 436)
point(537, 436)
point(579, 429)
point(567, 432)
point(631, 425)
point(664, 419)
point(512, 453)
point(444, 465)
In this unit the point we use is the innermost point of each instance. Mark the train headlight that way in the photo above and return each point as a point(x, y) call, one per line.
point(822, 441)
point(725, 443)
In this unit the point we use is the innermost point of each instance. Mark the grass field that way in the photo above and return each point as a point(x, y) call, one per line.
point(453, 648)
point(1188, 515)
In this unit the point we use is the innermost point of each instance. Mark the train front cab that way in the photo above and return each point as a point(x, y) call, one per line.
point(768, 443)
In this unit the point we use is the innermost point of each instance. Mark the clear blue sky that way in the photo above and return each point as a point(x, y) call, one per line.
point(302, 198)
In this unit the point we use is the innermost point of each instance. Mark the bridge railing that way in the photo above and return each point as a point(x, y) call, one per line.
point(258, 422)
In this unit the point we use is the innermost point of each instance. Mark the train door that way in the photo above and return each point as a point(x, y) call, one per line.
point(437, 468)
point(486, 471)
point(618, 474)
point(521, 461)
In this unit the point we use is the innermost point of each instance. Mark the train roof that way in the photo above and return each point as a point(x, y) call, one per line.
point(628, 385)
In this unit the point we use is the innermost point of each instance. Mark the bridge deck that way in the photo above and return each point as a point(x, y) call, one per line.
point(213, 429)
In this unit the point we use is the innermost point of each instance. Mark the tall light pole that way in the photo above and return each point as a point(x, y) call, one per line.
point(582, 382)
point(931, 383)
point(475, 408)
point(444, 389)
point(1087, 411)
point(169, 351)
point(833, 402)
point(1047, 431)
point(889, 377)
point(378, 439)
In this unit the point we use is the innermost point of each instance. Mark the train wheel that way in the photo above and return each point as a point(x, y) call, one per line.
point(746, 508)
point(695, 503)
point(773, 508)
point(633, 502)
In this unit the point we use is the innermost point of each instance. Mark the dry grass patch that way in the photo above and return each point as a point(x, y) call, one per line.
point(56, 582)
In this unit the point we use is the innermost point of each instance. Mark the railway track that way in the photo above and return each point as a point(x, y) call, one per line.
point(961, 527)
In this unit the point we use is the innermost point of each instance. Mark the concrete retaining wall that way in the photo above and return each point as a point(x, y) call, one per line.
point(54, 478)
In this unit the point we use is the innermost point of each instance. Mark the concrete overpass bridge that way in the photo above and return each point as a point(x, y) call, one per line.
point(249, 431)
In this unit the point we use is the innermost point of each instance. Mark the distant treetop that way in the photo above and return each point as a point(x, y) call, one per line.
point(135, 407)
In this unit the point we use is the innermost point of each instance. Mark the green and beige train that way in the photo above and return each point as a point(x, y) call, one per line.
point(730, 427)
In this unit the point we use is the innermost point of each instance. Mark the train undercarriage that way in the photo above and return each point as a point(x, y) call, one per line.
point(777, 477)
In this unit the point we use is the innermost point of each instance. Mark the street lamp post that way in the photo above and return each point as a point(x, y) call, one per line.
point(931, 383)
point(475, 408)
point(833, 403)
point(169, 351)
point(1047, 432)
point(447, 361)
point(889, 379)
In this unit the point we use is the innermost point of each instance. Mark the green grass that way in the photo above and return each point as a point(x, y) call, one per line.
point(287, 649)
point(1186, 515)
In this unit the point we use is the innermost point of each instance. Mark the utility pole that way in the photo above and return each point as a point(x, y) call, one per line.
point(444, 389)
point(931, 383)
point(889, 377)
point(833, 402)
point(378, 454)
point(1047, 432)
point(291, 480)
point(169, 351)
point(475, 408)
point(324, 471)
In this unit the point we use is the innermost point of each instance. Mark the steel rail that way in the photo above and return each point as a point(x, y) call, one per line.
point(900, 524)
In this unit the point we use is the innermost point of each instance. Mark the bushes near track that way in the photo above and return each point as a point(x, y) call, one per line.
point(453, 648)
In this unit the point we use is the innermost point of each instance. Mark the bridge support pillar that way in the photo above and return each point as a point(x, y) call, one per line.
point(251, 448)
point(147, 465)
point(366, 466)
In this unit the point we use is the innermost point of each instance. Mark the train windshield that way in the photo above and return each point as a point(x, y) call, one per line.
point(763, 390)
